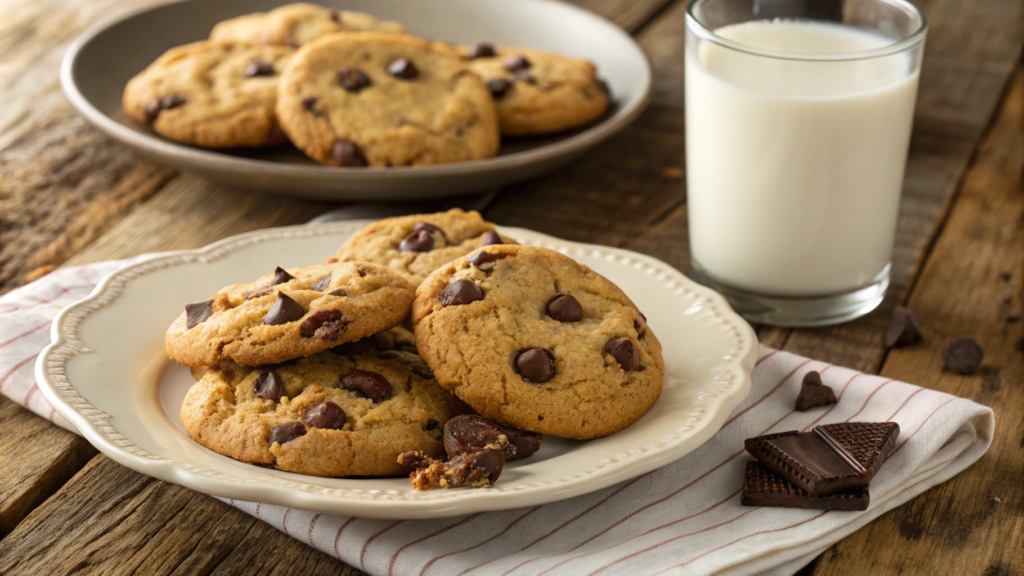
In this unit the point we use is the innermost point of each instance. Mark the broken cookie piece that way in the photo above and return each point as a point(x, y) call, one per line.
point(478, 468)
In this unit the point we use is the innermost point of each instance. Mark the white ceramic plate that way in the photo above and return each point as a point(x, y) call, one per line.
point(107, 373)
point(99, 64)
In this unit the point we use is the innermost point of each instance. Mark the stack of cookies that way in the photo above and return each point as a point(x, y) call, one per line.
point(350, 90)
point(428, 344)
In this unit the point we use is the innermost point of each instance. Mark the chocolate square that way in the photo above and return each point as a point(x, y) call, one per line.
point(762, 487)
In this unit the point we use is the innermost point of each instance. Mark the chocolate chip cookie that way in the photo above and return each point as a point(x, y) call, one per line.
point(414, 246)
point(376, 99)
point(211, 95)
point(296, 24)
point(325, 415)
point(537, 92)
point(289, 314)
point(534, 340)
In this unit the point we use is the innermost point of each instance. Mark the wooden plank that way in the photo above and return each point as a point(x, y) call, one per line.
point(110, 520)
point(37, 458)
point(974, 523)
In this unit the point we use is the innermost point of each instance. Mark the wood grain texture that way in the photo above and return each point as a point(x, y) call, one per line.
point(973, 524)
point(36, 459)
point(110, 520)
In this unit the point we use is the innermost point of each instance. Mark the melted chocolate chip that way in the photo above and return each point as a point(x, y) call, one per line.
point(485, 260)
point(281, 276)
point(353, 79)
point(403, 68)
point(285, 433)
point(418, 241)
point(197, 313)
point(327, 324)
point(369, 384)
point(490, 238)
point(172, 102)
point(283, 311)
point(565, 308)
point(327, 415)
point(962, 355)
point(460, 292)
point(268, 386)
point(151, 110)
point(625, 353)
point(516, 63)
point(535, 365)
point(323, 284)
point(482, 50)
point(345, 153)
point(498, 87)
point(468, 433)
point(259, 67)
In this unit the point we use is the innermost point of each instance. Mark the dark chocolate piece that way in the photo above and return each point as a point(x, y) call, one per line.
point(831, 458)
point(327, 415)
point(762, 487)
point(368, 384)
point(904, 328)
point(813, 393)
point(962, 355)
point(460, 293)
point(281, 276)
point(535, 365)
point(485, 260)
point(259, 68)
point(498, 87)
point(403, 68)
point(345, 153)
point(482, 50)
point(353, 79)
point(468, 433)
point(565, 308)
point(197, 313)
point(283, 311)
point(326, 324)
point(268, 386)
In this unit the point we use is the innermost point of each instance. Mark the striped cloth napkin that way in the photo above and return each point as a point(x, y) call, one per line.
point(685, 518)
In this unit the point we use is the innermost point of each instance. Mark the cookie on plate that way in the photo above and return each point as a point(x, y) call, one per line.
point(296, 24)
point(325, 415)
point(538, 92)
point(376, 99)
point(414, 246)
point(531, 338)
point(211, 95)
point(289, 314)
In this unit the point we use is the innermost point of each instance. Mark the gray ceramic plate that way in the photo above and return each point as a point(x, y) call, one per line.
point(100, 63)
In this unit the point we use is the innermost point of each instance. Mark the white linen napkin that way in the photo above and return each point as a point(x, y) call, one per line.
point(685, 518)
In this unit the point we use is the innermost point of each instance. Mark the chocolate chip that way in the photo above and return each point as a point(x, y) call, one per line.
point(432, 425)
point(516, 62)
point(151, 110)
point(490, 238)
point(370, 384)
point(535, 365)
point(640, 331)
point(268, 386)
point(283, 311)
point(327, 415)
point(345, 153)
point(309, 103)
point(813, 393)
point(259, 68)
point(485, 260)
point(456, 406)
point(336, 16)
point(403, 68)
point(198, 312)
point(426, 226)
point(419, 241)
point(468, 433)
point(327, 324)
point(962, 355)
point(285, 433)
point(460, 292)
point(482, 50)
point(1007, 276)
point(281, 276)
point(323, 284)
point(498, 87)
point(353, 79)
point(904, 328)
point(340, 292)
point(171, 102)
point(565, 308)
point(625, 353)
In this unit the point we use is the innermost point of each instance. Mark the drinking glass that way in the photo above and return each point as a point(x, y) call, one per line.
point(798, 118)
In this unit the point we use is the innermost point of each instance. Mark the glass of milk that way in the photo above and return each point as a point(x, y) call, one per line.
point(798, 116)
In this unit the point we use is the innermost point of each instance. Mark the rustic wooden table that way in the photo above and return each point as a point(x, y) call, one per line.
point(68, 196)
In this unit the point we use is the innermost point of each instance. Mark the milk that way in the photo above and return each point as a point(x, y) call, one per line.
point(794, 167)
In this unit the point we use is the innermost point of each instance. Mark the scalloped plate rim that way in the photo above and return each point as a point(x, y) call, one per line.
point(436, 504)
